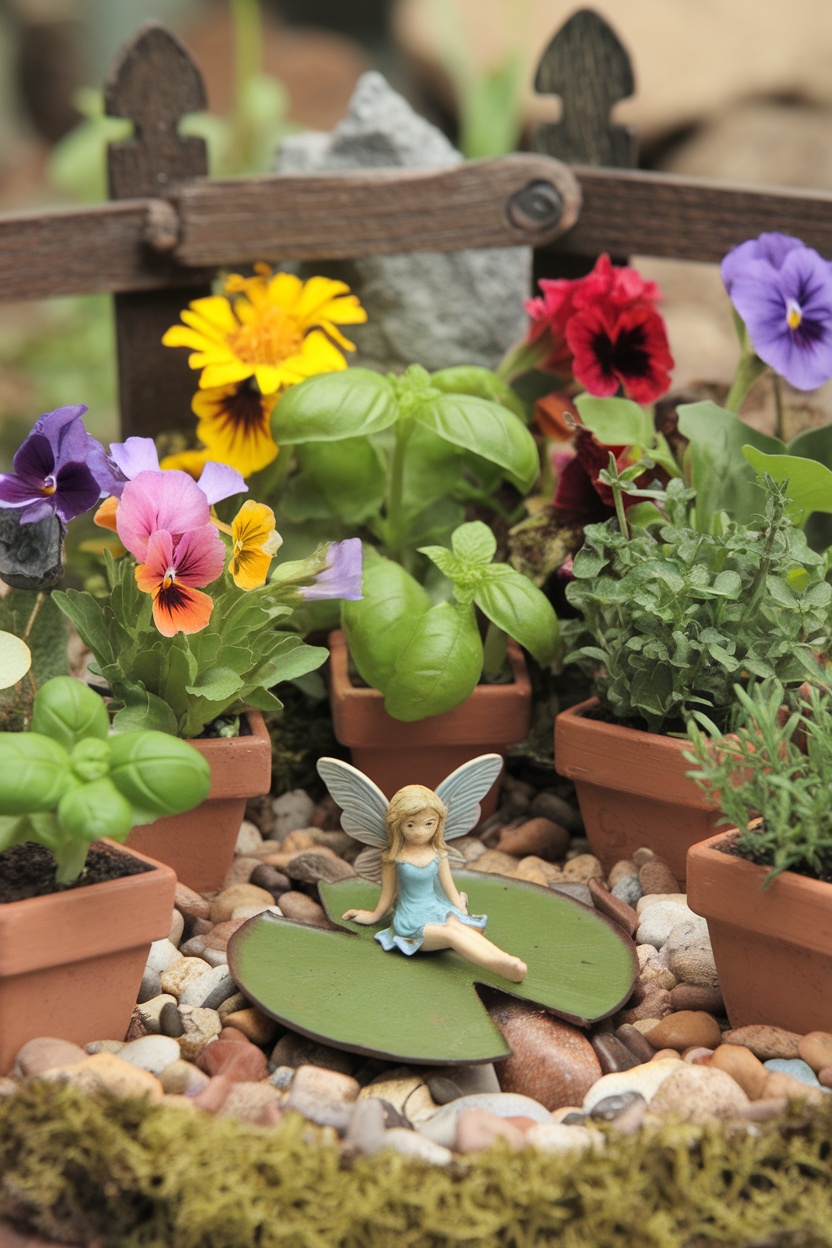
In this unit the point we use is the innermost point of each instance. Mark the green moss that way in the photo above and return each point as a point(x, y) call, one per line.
point(129, 1175)
point(47, 641)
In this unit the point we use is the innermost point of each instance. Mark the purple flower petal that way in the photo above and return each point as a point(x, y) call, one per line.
point(77, 491)
point(771, 249)
point(134, 456)
point(341, 577)
point(788, 314)
point(34, 461)
point(219, 481)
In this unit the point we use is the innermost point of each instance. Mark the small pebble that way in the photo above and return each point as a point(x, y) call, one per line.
point(227, 901)
point(657, 920)
point(698, 1094)
point(182, 973)
point(238, 1062)
point(689, 954)
point(45, 1053)
point(151, 1053)
point(183, 1078)
point(298, 906)
point(540, 837)
point(210, 989)
point(613, 907)
point(794, 1066)
point(323, 1096)
point(163, 954)
point(743, 1067)
point(644, 1079)
point(582, 868)
point(765, 1041)
point(655, 876)
point(248, 838)
point(613, 1054)
point(291, 810)
point(412, 1144)
point(190, 904)
point(611, 1107)
point(268, 877)
point(573, 888)
point(104, 1072)
point(683, 1029)
point(816, 1049)
point(623, 869)
point(441, 1126)
point(478, 1129)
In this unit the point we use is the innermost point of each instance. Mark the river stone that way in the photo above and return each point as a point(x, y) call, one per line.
point(183, 1078)
point(441, 1126)
point(291, 810)
point(794, 1066)
point(435, 309)
point(151, 1053)
point(241, 1063)
point(557, 1138)
point(151, 986)
point(44, 1053)
point(199, 1027)
point(407, 1092)
point(323, 1096)
point(645, 1079)
point(658, 918)
point(252, 1101)
point(655, 876)
point(313, 865)
point(623, 869)
point(268, 877)
point(412, 1144)
point(551, 1061)
point(539, 837)
point(684, 1029)
point(366, 1129)
point(613, 1054)
point(182, 973)
point(463, 1080)
point(635, 1042)
point(191, 904)
point(575, 889)
point(254, 1025)
point(693, 997)
point(248, 838)
point(296, 905)
point(553, 807)
point(611, 1107)
point(104, 1072)
point(764, 1040)
point(581, 868)
point(229, 899)
point(743, 1067)
point(699, 1094)
point(163, 955)
point(295, 1050)
point(689, 953)
point(816, 1049)
point(627, 889)
point(477, 1129)
point(780, 1083)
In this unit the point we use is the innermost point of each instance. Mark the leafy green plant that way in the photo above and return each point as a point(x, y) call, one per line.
point(402, 456)
point(673, 617)
point(67, 782)
point(777, 765)
point(182, 683)
point(424, 1008)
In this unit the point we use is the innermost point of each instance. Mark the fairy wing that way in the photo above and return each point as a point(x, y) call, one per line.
point(362, 803)
point(464, 789)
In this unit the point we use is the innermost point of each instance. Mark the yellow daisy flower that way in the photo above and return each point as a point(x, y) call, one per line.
point(255, 541)
point(274, 328)
point(234, 426)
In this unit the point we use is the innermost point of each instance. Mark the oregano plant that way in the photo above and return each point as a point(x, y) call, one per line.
point(672, 618)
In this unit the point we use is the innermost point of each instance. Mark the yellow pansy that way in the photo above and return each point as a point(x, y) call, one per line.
point(234, 426)
point(255, 541)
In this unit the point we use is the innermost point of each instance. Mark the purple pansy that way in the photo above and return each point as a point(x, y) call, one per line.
point(341, 574)
point(60, 470)
point(782, 290)
point(217, 481)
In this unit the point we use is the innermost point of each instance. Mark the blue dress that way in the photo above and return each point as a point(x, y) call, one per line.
point(421, 899)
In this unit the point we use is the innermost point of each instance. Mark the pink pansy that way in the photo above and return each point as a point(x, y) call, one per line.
point(159, 500)
point(171, 571)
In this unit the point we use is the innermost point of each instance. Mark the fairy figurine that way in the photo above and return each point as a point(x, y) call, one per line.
point(409, 834)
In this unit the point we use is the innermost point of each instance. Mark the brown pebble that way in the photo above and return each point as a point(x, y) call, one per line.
point(230, 899)
point(765, 1110)
point(268, 877)
point(662, 1055)
point(233, 1034)
point(641, 1048)
point(684, 1029)
point(816, 1049)
point(825, 1077)
point(326, 814)
point(654, 1006)
point(692, 997)
point(301, 838)
point(254, 1024)
point(478, 1129)
point(201, 927)
point(582, 867)
point(312, 865)
point(642, 855)
point(537, 871)
point(613, 907)
point(551, 1060)
point(219, 937)
point(541, 837)
point(295, 905)
point(741, 1064)
point(765, 1041)
point(655, 876)
point(240, 1062)
point(190, 904)
point(494, 862)
point(613, 1055)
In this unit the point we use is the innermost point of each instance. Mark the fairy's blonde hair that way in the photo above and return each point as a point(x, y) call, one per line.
point(409, 801)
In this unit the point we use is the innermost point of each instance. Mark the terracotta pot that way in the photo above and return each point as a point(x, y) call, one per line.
point(199, 844)
point(632, 789)
point(772, 947)
point(393, 753)
point(71, 963)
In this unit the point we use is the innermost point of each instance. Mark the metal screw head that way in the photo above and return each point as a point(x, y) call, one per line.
point(537, 207)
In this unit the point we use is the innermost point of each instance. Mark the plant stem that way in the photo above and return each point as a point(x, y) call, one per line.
point(778, 406)
point(70, 859)
point(494, 652)
point(395, 489)
point(247, 60)
point(750, 367)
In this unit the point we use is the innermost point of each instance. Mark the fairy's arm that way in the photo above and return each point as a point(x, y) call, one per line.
point(385, 901)
point(455, 897)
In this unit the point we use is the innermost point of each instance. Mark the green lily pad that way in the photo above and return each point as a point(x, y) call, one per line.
point(341, 987)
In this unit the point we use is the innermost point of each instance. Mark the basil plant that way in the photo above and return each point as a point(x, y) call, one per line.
point(67, 782)
point(402, 457)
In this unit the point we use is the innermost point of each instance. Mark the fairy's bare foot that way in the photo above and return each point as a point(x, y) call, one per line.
point(515, 970)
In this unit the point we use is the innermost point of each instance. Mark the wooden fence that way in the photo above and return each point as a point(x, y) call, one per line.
point(168, 227)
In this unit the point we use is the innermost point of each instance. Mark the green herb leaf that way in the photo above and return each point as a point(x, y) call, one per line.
point(334, 406)
point(520, 609)
point(617, 422)
point(67, 710)
point(438, 667)
point(487, 429)
point(378, 626)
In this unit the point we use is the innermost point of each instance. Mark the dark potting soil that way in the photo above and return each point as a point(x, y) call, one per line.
point(29, 870)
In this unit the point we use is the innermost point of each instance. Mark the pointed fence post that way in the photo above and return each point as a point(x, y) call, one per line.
point(154, 83)
point(589, 68)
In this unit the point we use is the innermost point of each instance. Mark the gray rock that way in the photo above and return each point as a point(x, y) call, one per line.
point(434, 309)
point(689, 955)
point(366, 1130)
point(796, 1067)
point(151, 985)
point(447, 1083)
point(209, 990)
point(611, 1107)
point(151, 1053)
point(559, 811)
point(248, 838)
point(291, 811)
point(628, 889)
point(323, 1096)
point(294, 1050)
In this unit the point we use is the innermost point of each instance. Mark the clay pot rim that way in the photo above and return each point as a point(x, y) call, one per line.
point(614, 728)
point(745, 872)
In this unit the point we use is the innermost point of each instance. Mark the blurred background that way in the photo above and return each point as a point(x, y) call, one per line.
point(726, 89)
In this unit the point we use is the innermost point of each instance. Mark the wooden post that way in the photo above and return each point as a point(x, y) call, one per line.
point(588, 67)
point(154, 83)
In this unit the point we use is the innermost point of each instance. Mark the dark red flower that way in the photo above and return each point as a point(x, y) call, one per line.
point(624, 347)
point(579, 495)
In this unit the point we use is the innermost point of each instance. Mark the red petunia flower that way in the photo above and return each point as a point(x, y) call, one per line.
point(624, 347)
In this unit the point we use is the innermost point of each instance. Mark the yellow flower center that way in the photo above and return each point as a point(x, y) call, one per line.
point(49, 486)
point(271, 339)
point(794, 314)
point(168, 578)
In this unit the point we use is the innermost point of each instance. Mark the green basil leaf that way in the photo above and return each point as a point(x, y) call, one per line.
point(93, 810)
point(474, 542)
point(334, 406)
point(487, 429)
point(67, 710)
point(157, 773)
point(347, 477)
point(378, 626)
point(35, 770)
point(521, 610)
point(480, 382)
point(439, 666)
